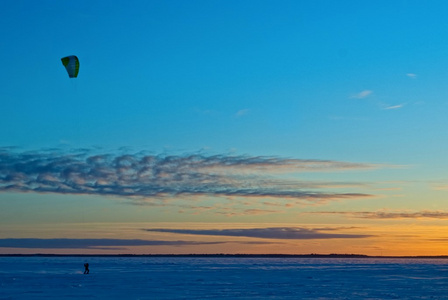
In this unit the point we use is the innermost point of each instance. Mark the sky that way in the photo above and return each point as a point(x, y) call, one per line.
point(289, 127)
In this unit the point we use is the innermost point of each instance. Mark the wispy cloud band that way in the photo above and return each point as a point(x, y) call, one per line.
point(146, 176)
point(390, 215)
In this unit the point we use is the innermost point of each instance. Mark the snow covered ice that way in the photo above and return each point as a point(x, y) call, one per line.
point(222, 278)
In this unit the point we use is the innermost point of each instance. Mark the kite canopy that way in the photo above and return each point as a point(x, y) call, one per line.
point(71, 64)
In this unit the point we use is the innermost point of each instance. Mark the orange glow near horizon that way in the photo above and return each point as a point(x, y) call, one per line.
point(391, 240)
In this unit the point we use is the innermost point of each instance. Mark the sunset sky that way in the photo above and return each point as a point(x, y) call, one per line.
point(224, 127)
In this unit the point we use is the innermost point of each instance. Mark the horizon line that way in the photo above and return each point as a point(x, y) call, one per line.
point(217, 255)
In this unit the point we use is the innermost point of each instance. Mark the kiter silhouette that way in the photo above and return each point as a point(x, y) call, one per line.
point(86, 267)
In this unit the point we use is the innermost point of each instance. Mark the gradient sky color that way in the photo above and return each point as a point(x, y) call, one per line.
point(224, 127)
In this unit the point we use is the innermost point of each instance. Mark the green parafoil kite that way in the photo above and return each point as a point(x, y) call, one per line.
point(71, 64)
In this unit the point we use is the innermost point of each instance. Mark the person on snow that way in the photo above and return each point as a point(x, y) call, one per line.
point(86, 268)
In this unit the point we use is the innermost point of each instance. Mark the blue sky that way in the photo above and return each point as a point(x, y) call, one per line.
point(241, 94)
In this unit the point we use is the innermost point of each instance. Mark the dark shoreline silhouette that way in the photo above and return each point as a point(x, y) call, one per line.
point(228, 255)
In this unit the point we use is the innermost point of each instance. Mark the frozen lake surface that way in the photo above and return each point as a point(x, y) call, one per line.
point(222, 278)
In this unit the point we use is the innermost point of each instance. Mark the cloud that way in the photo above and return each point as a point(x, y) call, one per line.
point(242, 112)
point(89, 243)
point(289, 233)
point(390, 215)
point(440, 187)
point(245, 212)
point(362, 94)
point(140, 176)
point(411, 75)
point(390, 107)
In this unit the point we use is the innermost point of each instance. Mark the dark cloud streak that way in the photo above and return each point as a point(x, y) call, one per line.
point(32, 243)
point(289, 233)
